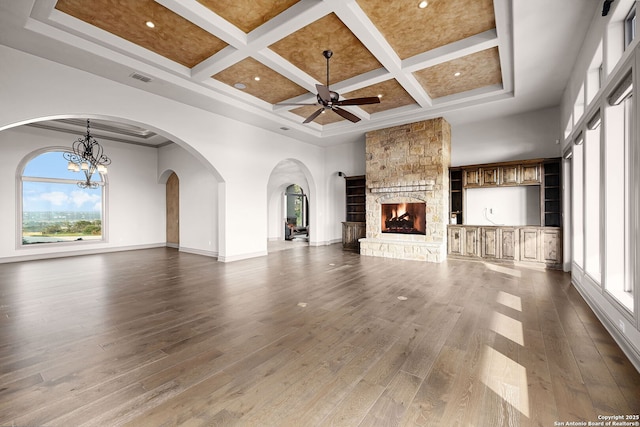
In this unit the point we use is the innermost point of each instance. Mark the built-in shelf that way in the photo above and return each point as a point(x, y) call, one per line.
point(353, 228)
point(455, 199)
point(551, 193)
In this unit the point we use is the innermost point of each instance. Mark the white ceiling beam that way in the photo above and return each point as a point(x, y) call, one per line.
point(449, 52)
point(360, 24)
point(204, 18)
point(298, 16)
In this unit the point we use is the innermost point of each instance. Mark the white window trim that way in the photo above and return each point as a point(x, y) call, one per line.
point(20, 178)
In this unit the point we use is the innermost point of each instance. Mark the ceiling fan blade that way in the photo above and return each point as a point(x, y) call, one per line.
point(347, 115)
point(313, 116)
point(360, 101)
point(324, 93)
point(297, 103)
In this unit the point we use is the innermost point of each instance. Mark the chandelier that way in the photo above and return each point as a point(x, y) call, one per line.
point(87, 156)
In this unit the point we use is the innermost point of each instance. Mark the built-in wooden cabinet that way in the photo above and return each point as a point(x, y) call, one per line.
point(509, 243)
point(354, 228)
point(529, 244)
point(471, 241)
point(352, 232)
point(546, 173)
point(551, 194)
point(356, 202)
point(455, 240)
point(540, 245)
point(489, 176)
point(471, 177)
point(455, 196)
point(551, 246)
point(509, 175)
point(489, 242)
point(530, 174)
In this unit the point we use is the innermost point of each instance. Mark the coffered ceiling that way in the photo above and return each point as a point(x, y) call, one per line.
point(250, 56)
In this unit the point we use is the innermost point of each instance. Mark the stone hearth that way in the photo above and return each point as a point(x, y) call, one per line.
point(408, 164)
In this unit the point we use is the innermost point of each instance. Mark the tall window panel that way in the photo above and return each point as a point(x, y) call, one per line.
point(618, 279)
point(577, 208)
point(592, 220)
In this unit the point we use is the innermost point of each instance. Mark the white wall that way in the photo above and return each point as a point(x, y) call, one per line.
point(350, 160)
point(531, 135)
point(503, 206)
point(135, 208)
point(198, 188)
point(242, 156)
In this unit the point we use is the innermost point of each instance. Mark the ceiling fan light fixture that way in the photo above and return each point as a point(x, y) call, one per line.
point(423, 4)
point(330, 100)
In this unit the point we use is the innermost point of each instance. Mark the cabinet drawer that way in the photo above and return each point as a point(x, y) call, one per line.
point(489, 177)
point(530, 174)
point(510, 175)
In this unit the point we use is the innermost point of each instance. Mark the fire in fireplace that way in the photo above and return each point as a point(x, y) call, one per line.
point(405, 218)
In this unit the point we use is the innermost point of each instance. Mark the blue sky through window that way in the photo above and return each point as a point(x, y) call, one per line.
point(53, 165)
point(51, 196)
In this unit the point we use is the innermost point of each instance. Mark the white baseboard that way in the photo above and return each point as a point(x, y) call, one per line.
point(203, 252)
point(223, 258)
point(325, 242)
point(631, 351)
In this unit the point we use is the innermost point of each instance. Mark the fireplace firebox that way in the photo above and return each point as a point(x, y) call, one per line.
point(404, 218)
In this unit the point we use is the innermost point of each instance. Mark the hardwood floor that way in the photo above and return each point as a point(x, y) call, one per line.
point(311, 336)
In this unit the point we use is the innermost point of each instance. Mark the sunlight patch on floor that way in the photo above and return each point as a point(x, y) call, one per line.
point(507, 327)
point(510, 300)
point(506, 378)
point(503, 270)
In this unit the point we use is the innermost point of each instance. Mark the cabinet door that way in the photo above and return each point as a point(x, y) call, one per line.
point(529, 244)
point(509, 244)
point(489, 242)
point(551, 246)
point(509, 175)
point(489, 177)
point(471, 241)
point(471, 177)
point(455, 240)
point(530, 174)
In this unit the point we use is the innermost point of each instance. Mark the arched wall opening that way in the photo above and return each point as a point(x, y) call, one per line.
point(286, 173)
point(137, 202)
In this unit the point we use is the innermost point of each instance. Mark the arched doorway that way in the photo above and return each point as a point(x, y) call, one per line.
point(297, 214)
point(173, 210)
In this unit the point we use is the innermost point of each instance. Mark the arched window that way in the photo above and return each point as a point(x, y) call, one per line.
point(55, 210)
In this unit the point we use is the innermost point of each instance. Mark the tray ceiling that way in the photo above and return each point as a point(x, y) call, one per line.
point(257, 54)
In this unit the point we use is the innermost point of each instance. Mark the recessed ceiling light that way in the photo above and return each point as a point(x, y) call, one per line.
point(150, 24)
point(379, 95)
point(423, 4)
point(240, 86)
point(256, 78)
point(457, 74)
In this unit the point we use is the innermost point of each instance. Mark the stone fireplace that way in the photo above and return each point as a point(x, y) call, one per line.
point(407, 174)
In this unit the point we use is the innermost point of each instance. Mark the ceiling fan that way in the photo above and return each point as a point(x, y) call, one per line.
point(330, 100)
